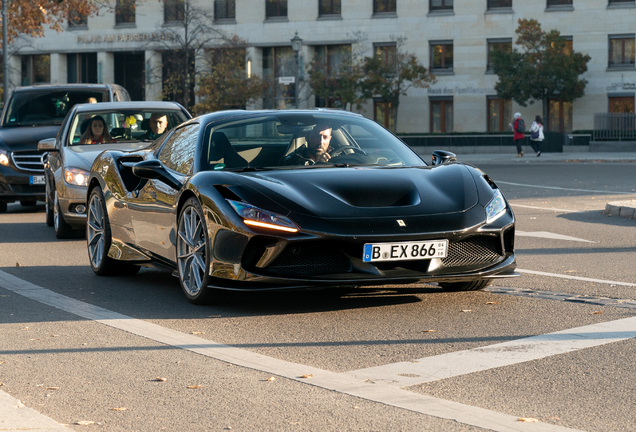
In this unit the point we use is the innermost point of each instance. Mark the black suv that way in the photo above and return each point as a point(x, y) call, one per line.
point(31, 114)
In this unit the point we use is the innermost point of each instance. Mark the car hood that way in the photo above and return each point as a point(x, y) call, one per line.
point(82, 156)
point(363, 191)
point(26, 138)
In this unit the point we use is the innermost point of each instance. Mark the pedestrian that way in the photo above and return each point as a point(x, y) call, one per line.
point(519, 127)
point(536, 135)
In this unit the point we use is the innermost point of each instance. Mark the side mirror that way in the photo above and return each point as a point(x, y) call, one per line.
point(154, 169)
point(47, 145)
point(441, 157)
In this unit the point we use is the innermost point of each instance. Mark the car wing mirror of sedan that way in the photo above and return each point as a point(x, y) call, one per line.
point(154, 169)
point(441, 157)
point(47, 145)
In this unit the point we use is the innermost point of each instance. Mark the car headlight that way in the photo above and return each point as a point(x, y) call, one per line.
point(255, 216)
point(76, 176)
point(496, 207)
point(4, 158)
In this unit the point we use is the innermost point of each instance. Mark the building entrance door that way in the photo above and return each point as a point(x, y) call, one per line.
point(129, 73)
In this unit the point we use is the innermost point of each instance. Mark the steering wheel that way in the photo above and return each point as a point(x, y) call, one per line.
point(346, 149)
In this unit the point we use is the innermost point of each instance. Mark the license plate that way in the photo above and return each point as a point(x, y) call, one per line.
point(36, 180)
point(405, 251)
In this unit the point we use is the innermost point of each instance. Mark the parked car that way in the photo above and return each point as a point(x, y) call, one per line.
point(128, 126)
point(242, 200)
point(31, 114)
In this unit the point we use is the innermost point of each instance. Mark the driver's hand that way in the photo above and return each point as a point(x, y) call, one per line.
point(323, 157)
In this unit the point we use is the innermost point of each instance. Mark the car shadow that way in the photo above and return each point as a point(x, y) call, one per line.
point(598, 217)
point(32, 232)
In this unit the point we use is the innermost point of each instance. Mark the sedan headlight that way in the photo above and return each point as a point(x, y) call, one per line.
point(76, 176)
point(255, 216)
point(4, 158)
point(496, 207)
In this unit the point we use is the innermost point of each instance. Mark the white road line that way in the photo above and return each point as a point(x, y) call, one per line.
point(584, 279)
point(549, 235)
point(504, 354)
point(545, 208)
point(565, 189)
point(344, 383)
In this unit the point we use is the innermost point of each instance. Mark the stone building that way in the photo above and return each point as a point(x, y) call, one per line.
point(451, 37)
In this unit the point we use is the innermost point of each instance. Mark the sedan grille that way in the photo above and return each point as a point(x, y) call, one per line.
point(310, 261)
point(474, 250)
point(28, 161)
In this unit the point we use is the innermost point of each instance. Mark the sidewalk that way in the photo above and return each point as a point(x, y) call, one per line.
point(625, 208)
point(15, 416)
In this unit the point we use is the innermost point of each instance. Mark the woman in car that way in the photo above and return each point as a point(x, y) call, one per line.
point(96, 132)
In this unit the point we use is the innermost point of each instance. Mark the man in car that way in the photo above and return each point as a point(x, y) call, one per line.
point(158, 124)
point(316, 150)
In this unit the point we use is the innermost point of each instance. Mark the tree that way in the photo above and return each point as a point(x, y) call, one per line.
point(224, 84)
point(392, 76)
point(545, 67)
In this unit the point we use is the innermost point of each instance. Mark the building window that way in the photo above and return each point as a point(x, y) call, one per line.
point(173, 10)
point(559, 116)
point(438, 5)
point(81, 68)
point(497, 45)
point(384, 6)
point(621, 51)
point(612, 2)
point(384, 114)
point(279, 62)
point(125, 12)
point(36, 69)
point(329, 7)
point(224, 9)
point(275, 8)
point(499, 114)
point(499, 4)
point(387, 53)
point(441, 56)
point(552, 3)
point(621, 104)
point(441, 115)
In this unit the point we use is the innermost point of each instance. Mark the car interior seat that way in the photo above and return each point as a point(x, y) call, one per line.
point(221, 151)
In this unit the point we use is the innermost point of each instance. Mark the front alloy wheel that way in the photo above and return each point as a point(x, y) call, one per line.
point(62, 229)
point(193, 255)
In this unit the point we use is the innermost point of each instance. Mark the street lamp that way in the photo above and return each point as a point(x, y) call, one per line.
point(297, 45)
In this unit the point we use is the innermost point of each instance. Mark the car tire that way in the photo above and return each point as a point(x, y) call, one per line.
point(193, 256)
point(465, 286)
point(99, 239)
point(62, 229)
point(28, 203)
point(3, 207)
point(48, 208)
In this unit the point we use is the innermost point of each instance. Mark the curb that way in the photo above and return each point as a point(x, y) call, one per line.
point(626, 209)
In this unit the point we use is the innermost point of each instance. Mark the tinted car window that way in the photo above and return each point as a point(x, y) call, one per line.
point(46, 107)
point(178, 152)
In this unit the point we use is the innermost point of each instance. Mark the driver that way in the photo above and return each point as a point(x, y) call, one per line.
point(316, 150)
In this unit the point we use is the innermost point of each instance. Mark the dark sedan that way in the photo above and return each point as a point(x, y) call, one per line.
point(258, 200)
point(125, 126)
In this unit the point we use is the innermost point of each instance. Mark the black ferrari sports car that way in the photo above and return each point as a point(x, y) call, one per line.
point(258, 200)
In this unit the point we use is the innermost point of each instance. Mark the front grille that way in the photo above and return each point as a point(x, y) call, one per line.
point(28, 189)
point(474, 250)
point(310, 261)
point(28, 161)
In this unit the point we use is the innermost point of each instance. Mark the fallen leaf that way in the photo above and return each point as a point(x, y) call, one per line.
point(597, 312)
point(492, 303)
point(35, 339)
point(119, 409)
point(570, 271)
point(17, 264)
point(429, 331)
point(85, 423)
point(306, 376)
point(1, 384)
point(528, 420)
point(2, 362)
point(160, 379)
point(271, 379)
point(197, 332)
point(466, 310)
point(52, 388)
point(196, 386)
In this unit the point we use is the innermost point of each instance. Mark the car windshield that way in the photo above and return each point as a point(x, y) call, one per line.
point(46, 107)
point(301, 140)
point(124, 125)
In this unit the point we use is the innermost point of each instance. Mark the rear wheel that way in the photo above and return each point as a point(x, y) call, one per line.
point(62, 229)
point(193, 256)
point(98, 238)
point(465, 286)
point(28, 203)
point(3, 207)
